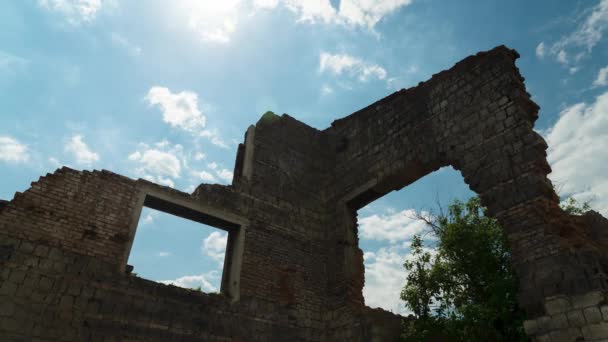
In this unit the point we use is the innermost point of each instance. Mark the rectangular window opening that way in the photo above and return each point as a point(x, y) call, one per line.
point(183, 247)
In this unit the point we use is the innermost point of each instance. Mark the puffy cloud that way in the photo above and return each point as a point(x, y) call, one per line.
point(212, 165)
point(160, 163)
point(339, 64)
point(391, 227)
point(216, 21)
point(81, 151)
point(147, 217)
point(225, 174)
point(198, 156)
point(602, 77)
point(587, 35)
point(363, 13)
point(214, 246)
point(368, 13)
point(204, 176)
point(75, 11)
point(577, 152)
point(12, 151)
point(179, 109)
point(384, 279)
point(385, 276)
point(540, 50)
point(312, 10)
point(265, 3)
point(213, 21)
point(204, 281)
point(11, 64)
point(326, 89)
point(122, 42)
point(214, 136)
point(562, 57)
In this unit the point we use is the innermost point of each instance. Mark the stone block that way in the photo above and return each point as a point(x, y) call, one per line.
point(544, 323)
point(566, 335)
point(559, 321)
point(588, 299)
point(595, 331)
point(557, 304)
point(530, 326)
point(592, 314)
point(604, 310)
point(544, 338)
point(576, 318)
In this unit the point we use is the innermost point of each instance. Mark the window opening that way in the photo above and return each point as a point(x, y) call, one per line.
point(386, 227)
point(179, 246)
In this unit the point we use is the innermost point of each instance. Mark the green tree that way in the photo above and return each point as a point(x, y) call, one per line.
point(571, 206)
point(467, 290)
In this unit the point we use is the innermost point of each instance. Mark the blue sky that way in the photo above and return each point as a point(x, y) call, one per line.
point(164, 90)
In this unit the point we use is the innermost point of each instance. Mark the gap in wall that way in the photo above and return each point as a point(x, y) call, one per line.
point(173, 250)
point(387, 225)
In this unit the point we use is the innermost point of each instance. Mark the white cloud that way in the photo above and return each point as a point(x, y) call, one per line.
point(198, 156)
point(159, 164)
point(270, 4)
point(392, 227)
point(540, 50)
point(368, 13)
point(562, 57)
point(225, 174)
point(11, 64)
point(217, 21)
point(587, 35)
point(339, 64)
point(179, 109)
point(54, 162)
point(12, 151)
point(164, 254)
point(204, 281)
point(148, 217)
point(122, 42)
point(214, 136)
point(212, 165)
point(213, 21)
point(75, 11)
point(204, 176)
point(384, 279)
point(602, 77)
point(363, 13)
point(326, 89)
point(81, 151)
point(577, 152)
point(313, 10)
point(214, 246)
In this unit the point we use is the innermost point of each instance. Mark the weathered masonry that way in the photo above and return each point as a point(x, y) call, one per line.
point(294, 271)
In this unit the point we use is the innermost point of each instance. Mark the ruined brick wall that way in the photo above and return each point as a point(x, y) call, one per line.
point(294, 271)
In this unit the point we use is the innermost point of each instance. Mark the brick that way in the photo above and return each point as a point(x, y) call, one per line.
point(595, 331)
point(576, 318)
point(294, 195)
point(592, 314)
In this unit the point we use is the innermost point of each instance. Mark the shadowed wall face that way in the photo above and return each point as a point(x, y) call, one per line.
point(294, 269)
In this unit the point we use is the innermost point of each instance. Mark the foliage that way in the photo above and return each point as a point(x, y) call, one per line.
point(464, 290)
point(571, 206)
point(269, 117)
